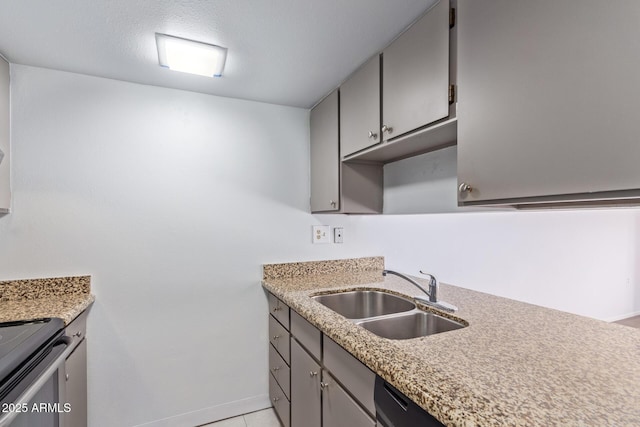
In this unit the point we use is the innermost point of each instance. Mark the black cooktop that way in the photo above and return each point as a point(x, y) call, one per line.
point(24, 344)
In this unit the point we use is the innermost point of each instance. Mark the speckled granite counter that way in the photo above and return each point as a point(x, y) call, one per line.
point(63, 297)
point(516, 364)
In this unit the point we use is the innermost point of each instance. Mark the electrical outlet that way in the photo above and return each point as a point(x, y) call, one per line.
point(321, 234)
point(338, 234)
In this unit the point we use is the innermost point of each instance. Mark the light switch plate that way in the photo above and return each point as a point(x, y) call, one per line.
point(321, 234)
point(338, 235)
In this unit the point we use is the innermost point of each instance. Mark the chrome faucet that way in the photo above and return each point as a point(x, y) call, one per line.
point(432, 293)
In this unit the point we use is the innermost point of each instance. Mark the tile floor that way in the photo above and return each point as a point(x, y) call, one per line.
point(631, 321)
point(264, 418)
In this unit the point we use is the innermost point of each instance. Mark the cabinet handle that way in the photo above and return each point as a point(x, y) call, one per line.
point(78, 334)
point(275, 399)
point(372, 135)
point(324, 385)
point(333, 204)
point(313, 374)
point(465, 188)
point(276, 309)
point(386, 129)
point(66, 377)
point(277, 368)
point(275, 337)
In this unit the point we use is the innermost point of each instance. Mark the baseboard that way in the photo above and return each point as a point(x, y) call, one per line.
point(213, 413)
point(624, 316)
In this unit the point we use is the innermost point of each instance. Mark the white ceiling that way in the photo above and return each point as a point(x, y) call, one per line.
point(290, 52)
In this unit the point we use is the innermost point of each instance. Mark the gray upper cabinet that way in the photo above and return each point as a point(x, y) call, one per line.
point(335, 186)
point(360, 109)
point(325, 161)
point(5, 172)
point(383, 113)
point(548, 94)
point(415, 75)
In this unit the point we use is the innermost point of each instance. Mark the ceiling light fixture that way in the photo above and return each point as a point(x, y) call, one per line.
point(190, 56)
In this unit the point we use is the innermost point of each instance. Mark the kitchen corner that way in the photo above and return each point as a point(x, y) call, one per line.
point(516, 364)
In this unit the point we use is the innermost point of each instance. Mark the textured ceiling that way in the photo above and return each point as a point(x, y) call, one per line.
point(290, 52)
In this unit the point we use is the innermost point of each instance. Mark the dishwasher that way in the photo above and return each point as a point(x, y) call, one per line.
point(394, 409)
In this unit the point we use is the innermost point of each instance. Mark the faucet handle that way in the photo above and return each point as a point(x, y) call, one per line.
point(432, 278)
point(433, 286)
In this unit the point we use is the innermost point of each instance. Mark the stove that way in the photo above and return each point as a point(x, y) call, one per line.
point(23, 345)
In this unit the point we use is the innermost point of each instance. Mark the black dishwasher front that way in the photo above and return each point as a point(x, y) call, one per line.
point(394, 409)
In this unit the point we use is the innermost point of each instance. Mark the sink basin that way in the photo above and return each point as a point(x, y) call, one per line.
point(413, 325)
point(363, 304)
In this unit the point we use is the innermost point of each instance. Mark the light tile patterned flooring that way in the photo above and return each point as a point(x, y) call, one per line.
point(631, 321)
point(265, 418)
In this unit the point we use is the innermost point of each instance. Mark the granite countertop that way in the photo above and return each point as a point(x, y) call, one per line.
point(516, 364)
point(63, 297)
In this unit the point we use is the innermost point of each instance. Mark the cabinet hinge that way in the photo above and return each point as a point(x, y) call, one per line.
point(452, 94)
point(452, 17)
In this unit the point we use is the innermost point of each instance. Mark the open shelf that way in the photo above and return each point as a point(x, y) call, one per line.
point(440, 135)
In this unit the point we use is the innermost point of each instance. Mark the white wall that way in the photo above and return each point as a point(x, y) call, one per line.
point(5, 137)
point(172, 201)
point(583, 261)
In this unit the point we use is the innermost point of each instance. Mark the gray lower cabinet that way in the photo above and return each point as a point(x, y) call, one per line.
point(547, 106)
point(280, 402)
point(318, 383)
point(76, 386)
point(279, 358)
point(338, 408)
point(353, 375)
point(279, 311)
point(280, 371)
point(279, 338)
point(72, 379)
point(305, 388)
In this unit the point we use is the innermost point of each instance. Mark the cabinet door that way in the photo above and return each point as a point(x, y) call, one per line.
point(307, 335)
point(325, 161)
point(415, 76)
point(305, 388)
point(280, 402)
point(360, 109)
point(76, 386)
point(279, 338)
point(279, 310)
point(339, 409)
point(548, 96)
point(280, 371)
point(353, 374)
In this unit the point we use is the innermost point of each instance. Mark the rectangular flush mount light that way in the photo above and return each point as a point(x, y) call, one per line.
point(190, 56)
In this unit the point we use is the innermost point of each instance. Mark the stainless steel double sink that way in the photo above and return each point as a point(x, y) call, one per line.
point(387, 315)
